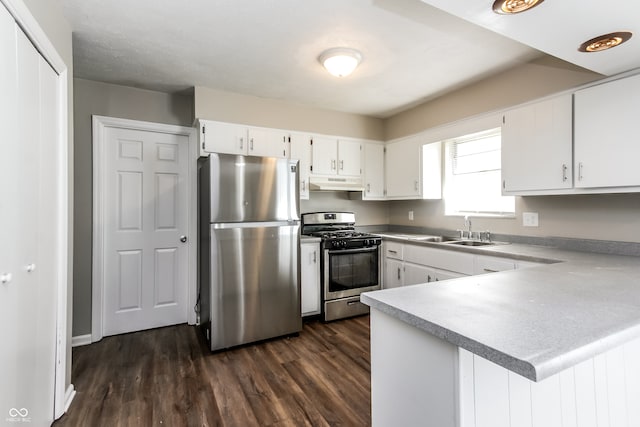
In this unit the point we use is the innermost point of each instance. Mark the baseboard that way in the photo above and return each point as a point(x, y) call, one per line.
point(68, 396)
point(81, 340)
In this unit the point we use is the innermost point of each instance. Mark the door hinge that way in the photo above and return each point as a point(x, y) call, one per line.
point(504, 184)
point(503, 120)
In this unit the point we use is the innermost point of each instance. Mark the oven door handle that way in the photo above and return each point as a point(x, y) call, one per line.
point(347, 251)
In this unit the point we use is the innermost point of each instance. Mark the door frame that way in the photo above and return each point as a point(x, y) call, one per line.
point(100, 125)
point(63, 395)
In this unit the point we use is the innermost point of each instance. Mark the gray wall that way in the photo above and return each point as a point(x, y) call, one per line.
point(250, 110)
point(94, 98)
point(367, 212)
point(51, 19)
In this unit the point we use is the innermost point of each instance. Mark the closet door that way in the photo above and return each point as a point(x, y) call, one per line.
point(9, 212)
point(29, 209)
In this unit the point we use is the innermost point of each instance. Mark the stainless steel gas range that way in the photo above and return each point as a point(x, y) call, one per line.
point(350, 262)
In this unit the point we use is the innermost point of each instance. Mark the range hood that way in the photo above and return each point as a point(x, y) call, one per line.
point(317, 183)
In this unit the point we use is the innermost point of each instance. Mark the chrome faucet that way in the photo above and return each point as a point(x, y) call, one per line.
point(467, 224)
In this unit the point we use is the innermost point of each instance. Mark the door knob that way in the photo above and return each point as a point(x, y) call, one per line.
point(183, 239)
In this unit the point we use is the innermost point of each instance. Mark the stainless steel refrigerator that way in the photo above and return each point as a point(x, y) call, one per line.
point(249, 249)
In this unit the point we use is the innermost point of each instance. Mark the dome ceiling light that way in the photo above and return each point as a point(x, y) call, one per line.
point(509, 7)
point(605, 41)
point(340, 61)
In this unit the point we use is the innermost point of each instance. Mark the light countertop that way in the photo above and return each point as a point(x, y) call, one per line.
point(536, 321)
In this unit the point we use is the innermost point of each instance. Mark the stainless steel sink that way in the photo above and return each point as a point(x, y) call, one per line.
point(470, 243)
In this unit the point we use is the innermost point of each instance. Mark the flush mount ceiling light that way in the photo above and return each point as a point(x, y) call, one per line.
point(509, 7)
point(340, 61)
point(605, 41)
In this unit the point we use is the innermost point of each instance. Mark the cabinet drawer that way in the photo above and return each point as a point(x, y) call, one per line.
point(486, 264)
point(393, 250)
point(439, 258)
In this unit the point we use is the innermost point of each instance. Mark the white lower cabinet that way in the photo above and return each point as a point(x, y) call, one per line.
point(407, 264)
point(490, 264)
point(310, 277)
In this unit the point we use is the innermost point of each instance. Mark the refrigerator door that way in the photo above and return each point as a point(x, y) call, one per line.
point(252, 189)
point(255, 284)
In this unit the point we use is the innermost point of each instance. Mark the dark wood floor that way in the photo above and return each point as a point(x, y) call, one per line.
point(168, 377)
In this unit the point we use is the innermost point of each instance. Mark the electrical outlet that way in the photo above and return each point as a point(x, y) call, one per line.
point(530, 219)
point(410, 215)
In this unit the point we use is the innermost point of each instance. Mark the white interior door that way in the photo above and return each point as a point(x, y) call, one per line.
point(145, 220)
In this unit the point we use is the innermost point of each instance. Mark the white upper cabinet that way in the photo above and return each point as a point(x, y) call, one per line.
point(537, 146)
point(231, 138)
point(607, 130)
point(268, 142)
point(219, 137)
point(331, 156)
point(373, 171)
point(402, 171)
point(300, 149)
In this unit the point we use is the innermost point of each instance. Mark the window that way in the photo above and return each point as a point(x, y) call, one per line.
point(473, 178)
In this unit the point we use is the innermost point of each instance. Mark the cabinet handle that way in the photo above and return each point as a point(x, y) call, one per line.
point(398, 273)
point(30, 268)
point(415, 183)
point(392, 252)
point(488, 270)
point(580, 171)
point(251, 144)
point(314, 257)
point(428, 278)
point(5, 278)
point(564, 173)
point(341, 165)
point(241, 143)
point(368, 188)
point(333, 164)
point(304, 185)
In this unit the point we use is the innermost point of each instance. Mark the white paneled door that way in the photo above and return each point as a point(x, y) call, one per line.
point(145, 230)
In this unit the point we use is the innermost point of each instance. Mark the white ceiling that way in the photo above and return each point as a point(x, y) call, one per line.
point(268, 48)
point(559, 27)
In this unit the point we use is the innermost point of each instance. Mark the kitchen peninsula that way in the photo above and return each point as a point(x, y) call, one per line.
point(552, 345)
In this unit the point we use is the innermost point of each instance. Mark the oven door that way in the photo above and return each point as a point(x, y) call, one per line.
point(349, 272)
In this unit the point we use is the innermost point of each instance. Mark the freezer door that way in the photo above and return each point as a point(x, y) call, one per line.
point(253, 189)
point(255, 284)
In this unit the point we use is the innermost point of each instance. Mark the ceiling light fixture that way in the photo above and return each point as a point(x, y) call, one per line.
point(605, 41)
point(340, 61)
point(509, 7)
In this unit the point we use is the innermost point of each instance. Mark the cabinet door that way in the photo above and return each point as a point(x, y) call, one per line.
point(536, 146)
point(373, 171)
point(324, 156)
point(300, 149)
point(268, 143)
point(310, 278)
point(393, 273)
point(402, 169)
point(218, 137)
point(415, 274)
point(349, 158)
point(606, 134)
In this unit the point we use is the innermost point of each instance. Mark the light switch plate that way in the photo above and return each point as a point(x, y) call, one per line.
point(530, 219)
